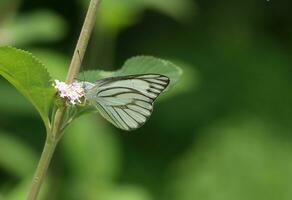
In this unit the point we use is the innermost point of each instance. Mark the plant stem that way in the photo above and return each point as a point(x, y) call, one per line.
point(54, 134)
point(42, 168)
point(83, 41)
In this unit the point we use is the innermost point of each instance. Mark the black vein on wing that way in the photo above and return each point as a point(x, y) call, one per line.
point(133, 91)
point(114, 118)
point(130, 92)
point(127, 125)
point(108, 114)
point(109, 80)
point(140, 124)
point(119, 113)
point(146, 116)
point(106, 89)
point(131, 127)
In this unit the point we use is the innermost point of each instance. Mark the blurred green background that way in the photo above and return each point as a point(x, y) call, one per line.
point(223, 133)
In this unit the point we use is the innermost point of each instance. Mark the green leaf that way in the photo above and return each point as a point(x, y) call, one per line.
point(148, 64)
point(135, 65)
point(95, 153)
point(19, 190)
point(125, 192)
point(177, 9)
point(139, 65)
point(190, 82)
point(128, 12)
point(13, 103)
point(14, 153)
point(93, 75)
point(40, 26)
point(55, 62)
point(236, 158)
point(30, 78)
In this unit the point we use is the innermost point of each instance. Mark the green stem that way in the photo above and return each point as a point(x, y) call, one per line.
point(83, 41)
point(54, 134)
point(42, 168)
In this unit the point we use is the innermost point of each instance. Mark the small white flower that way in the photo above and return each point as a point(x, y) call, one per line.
point(71, 92)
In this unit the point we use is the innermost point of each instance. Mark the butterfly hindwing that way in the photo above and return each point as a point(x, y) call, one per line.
point(126, 101)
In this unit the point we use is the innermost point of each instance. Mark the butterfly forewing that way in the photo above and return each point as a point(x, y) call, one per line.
point(126, 101)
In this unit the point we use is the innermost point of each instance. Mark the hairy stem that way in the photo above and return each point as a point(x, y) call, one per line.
point(54, 134)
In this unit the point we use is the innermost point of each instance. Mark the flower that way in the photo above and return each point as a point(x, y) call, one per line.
point(71, 92)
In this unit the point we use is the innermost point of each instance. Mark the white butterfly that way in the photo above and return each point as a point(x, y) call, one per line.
point(126, 101)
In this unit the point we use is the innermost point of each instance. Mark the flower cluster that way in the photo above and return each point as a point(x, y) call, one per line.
point(71, 92)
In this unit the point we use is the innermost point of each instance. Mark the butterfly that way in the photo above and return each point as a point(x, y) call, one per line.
point(126, 101)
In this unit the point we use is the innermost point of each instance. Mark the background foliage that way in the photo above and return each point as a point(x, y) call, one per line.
point(224, 134)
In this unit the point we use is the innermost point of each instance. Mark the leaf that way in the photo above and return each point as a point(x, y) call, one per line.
point(39, 26)
point(93, 75)
point(237, 158)
point(14, 153)
point(135, 65)
point(139, 65)
point(18, 191)
point(56, 63)
point(190, 82)
point(177, 9)
point(30, 78)
point(95, 153)
point(128, 12)
point(126, 192)
point(148, 64)
point(13, 103)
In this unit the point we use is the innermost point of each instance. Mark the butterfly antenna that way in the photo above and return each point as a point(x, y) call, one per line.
point(81, 66)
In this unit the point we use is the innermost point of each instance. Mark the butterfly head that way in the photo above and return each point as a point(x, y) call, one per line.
point(87, 86)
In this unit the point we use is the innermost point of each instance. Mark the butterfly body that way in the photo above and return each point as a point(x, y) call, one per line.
point(126, 101)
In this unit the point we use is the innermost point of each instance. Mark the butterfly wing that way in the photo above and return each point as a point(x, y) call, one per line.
point(126, 101)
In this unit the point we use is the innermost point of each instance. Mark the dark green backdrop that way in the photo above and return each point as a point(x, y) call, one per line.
point(223, 133)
